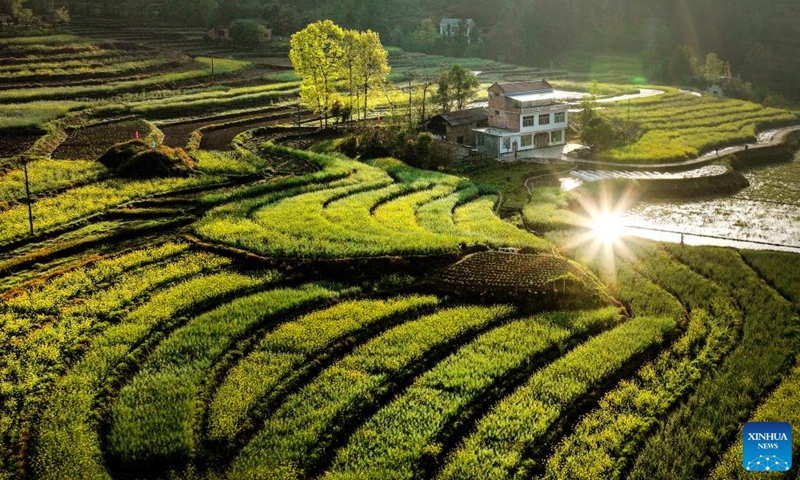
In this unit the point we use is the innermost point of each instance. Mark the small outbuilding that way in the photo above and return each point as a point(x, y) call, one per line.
point(716, 90)
point(458, 127)
point(218, 34)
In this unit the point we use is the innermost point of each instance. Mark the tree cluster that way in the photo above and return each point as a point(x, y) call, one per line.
point(685, 68)
point(331, 61)
point(417, 149)
point(599, 131)
point(457, 87)
point(247, 31)
point(36, 12)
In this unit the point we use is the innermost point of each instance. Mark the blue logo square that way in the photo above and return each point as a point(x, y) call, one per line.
point(767, 447)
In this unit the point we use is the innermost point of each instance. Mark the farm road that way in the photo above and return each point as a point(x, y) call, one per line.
point(221, 139)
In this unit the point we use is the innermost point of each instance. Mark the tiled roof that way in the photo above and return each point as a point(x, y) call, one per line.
point(463, 117)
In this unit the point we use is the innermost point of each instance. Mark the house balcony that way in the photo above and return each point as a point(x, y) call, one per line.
point(544, 109)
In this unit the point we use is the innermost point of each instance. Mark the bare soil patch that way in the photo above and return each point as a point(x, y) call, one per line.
point(89, 143)
point(16, 142)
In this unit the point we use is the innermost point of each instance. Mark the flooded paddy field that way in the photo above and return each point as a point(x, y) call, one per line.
point(764, 215)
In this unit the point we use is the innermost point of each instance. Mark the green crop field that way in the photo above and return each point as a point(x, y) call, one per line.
point(365, 210)
point(678, 126)
point(278, 310)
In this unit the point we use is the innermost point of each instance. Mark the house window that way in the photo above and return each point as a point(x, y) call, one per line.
point(544, 119)
point(560, 117)
point(527, 121)
point(481, 140)
point(556, 137)
point(460, 140)
point(507, 143)
point(527, 140)
point(497, 112)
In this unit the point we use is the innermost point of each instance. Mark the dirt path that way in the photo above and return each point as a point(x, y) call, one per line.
point(177, 134)
point(221, 139)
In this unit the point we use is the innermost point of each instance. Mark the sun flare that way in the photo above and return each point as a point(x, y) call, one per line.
point(606, 227)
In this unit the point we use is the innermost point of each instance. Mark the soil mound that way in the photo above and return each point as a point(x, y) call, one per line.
point(136, 159)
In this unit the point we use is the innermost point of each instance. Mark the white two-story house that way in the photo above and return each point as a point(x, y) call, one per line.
point(522, 116)
point(450, 27)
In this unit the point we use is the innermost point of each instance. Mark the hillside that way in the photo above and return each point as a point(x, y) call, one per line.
point(759, 39)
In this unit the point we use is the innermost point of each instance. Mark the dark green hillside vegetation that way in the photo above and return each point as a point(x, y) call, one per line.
point(629, 40)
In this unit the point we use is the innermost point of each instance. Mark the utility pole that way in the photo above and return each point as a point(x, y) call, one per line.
point(28, 193)
point(629, 111)
point(212, 66)
point(298, 125)
point(410, 106)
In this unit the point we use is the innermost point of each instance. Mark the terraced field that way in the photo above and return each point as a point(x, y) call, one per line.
point(677, 126)
point(317, 380)
point(354, 209)
point(88, 143)
point(181, 357)
point(273, 316)
point(65, 67)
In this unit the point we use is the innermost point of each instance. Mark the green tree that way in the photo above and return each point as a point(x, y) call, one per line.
point(715, 68)
point(11, 7)
point(57, 14)
point(17, 9)
point(247, 32)
point(316, 55)
point(350, 53)
point(372, 63)
point(456, 86)
point(424, 37)
point(588, 113)
point(682, 64)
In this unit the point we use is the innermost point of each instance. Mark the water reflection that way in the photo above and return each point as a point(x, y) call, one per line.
point(689, 239)
point(570, 183)
point(764, 216)
point(726, 221)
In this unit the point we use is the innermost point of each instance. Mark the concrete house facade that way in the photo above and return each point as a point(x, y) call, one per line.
point(449, 27)
point(523, 116)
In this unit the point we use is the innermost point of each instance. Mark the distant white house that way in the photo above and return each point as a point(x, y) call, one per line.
point(449, 27)
point(716, 90)
point(523, 116)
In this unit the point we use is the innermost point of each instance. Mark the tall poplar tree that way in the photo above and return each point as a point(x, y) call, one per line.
point(350, 50)
point(372, 63)
point(316, 56)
